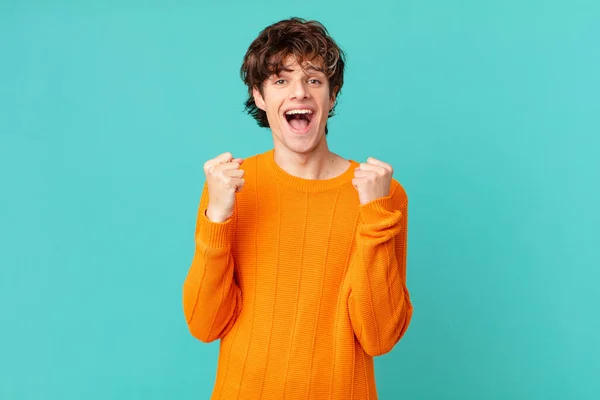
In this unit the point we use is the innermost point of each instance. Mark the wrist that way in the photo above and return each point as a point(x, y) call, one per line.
point(215, 216)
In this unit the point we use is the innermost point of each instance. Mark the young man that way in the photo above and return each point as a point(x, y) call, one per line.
point(300, 260)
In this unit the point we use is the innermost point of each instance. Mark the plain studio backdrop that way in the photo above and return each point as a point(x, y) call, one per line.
point(489, 112)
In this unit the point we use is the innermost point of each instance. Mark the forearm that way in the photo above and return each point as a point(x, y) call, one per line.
point(211, 299)
point(379, 302)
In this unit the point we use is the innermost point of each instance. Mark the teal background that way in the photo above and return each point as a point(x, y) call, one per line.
point(488, 111)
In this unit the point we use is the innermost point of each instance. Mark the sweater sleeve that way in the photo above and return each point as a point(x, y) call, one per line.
point(379, 301)
point(211, 298)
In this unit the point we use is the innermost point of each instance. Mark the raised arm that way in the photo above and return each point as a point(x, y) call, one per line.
point(379, 301)
point(211, 298)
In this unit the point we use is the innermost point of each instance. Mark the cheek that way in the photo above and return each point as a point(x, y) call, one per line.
point(273, 105)
point(273, 114)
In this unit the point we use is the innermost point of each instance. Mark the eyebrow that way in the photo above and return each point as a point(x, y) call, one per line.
point(308, 68)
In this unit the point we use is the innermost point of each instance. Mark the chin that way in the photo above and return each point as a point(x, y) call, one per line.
point(302, 144)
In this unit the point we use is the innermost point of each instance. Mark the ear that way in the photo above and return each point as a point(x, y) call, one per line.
point(333, 97)
point(258, 99)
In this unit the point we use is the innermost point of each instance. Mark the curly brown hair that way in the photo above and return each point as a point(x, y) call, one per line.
point(307, 41)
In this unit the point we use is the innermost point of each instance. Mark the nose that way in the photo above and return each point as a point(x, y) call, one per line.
point(298, 91)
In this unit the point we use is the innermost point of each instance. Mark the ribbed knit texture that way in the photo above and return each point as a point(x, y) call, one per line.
point(303, 285)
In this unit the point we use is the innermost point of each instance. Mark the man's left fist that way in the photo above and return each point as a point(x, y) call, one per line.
point(372, 180)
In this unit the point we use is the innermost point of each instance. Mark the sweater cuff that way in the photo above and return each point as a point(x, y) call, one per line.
point(214, 235)
point(377, 211)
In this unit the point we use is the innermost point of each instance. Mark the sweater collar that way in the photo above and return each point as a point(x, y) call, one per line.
point(307, 185)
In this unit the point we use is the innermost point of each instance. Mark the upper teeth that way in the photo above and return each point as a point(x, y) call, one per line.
point(298, 112)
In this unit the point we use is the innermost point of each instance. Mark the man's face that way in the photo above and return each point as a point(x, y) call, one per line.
point(297, 103)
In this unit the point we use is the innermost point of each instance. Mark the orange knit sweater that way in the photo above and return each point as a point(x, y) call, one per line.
point(303, 285)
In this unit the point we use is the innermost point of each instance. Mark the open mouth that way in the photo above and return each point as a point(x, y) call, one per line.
point(299, 119)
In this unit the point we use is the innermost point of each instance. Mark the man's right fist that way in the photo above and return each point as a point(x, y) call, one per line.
point(224, 179)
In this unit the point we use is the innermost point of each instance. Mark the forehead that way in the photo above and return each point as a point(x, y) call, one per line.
point(290, 63)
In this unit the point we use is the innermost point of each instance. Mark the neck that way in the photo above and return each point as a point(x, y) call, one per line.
point(319, 163)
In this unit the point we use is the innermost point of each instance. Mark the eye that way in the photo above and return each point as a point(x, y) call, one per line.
point(314, 81)
point(279, 82)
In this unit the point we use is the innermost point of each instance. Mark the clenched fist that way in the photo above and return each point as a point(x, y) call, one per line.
point(224, 179)
point(372, 180)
